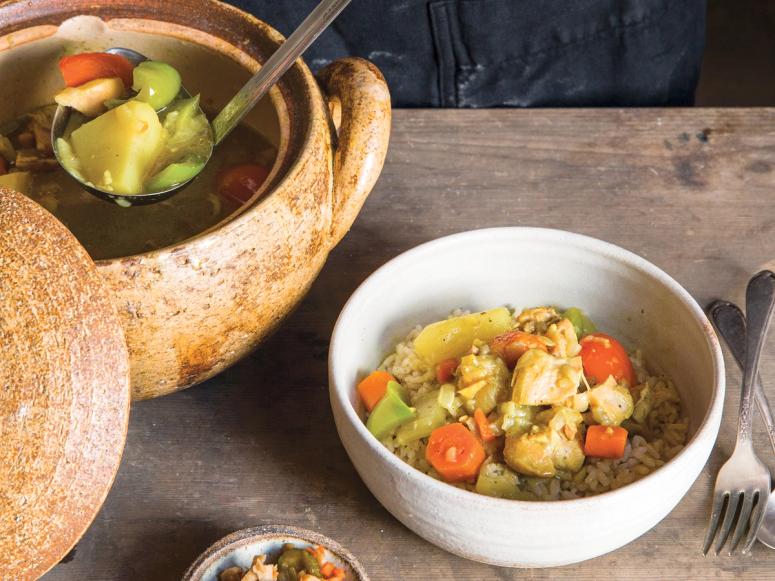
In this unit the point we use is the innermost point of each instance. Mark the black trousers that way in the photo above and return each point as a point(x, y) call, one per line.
point(523, 53)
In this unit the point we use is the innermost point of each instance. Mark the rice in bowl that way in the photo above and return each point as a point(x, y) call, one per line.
point(650, 443)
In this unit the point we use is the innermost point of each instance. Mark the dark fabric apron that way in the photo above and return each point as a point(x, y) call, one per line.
point(522, 53)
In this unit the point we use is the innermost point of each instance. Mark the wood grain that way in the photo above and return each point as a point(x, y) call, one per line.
point(64, 389)
point(691, 190)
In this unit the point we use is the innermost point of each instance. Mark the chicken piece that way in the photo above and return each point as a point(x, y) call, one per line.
point(308, 577)
point(565, 422)
point(514, 344)
point(563, 335)
point(562, 420)
point(554, 444)
point(568, 453)
point(34, 160)
point(231, 574)
point(537, 320)
point(39, 124)
point(262, 571)
point(541, 379)
point(531, 453)
point(483, 379)
point(578, 402)
point(90, 97)
point(610, 403)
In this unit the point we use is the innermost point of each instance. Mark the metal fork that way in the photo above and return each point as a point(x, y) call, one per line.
point(743, 483)
point(729, 319)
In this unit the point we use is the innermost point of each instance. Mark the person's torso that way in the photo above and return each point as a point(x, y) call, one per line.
point(487, 53)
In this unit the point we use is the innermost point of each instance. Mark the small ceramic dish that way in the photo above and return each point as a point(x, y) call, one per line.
point(521, 267)
point(239, 548)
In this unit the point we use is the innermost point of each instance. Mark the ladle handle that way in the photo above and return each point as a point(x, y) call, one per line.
point(276, 66)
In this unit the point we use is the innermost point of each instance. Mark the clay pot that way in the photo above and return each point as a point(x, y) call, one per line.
point(191, 310)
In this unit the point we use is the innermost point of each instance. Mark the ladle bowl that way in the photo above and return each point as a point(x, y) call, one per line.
point(59, 125)
point(234, 111)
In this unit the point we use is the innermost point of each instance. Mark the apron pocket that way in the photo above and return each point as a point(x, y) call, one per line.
point(559, 52)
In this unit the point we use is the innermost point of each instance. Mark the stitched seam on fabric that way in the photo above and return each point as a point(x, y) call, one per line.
point(439, 24)
point(644, 23)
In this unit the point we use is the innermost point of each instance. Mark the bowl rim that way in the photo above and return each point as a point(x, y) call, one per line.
point(226, 545)
point(338, 394)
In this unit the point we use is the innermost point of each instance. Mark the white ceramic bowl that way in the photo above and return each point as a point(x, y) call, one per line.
point(624, 294)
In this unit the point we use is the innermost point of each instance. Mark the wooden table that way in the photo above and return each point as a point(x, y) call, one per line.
point(691, 190)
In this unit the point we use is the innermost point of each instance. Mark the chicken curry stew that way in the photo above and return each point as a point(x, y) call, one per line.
point(237, 170)
point(294, 563)
point(132, 129)
point(532, 405)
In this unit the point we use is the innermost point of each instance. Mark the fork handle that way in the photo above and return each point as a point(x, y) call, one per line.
point(759, 302)
point(730, 322)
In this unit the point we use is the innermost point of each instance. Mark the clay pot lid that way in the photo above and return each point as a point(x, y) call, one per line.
point(64, 389)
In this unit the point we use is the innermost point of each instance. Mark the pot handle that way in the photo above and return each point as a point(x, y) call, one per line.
point(359, 103)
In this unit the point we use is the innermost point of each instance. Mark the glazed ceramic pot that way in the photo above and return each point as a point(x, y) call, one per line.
point(191, 310)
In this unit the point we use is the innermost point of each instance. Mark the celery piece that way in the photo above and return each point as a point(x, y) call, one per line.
point(581, 323)
point(430, 415)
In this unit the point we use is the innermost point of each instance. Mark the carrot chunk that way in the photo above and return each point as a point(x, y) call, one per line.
point(373, 388)
point(455, 452)
point(605, 441)
point(485, 431)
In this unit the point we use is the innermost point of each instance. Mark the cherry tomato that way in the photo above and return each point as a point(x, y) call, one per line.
point(240, 182)
point(602, 355)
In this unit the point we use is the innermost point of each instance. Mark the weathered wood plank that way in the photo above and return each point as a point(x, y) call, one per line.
point(691, 190)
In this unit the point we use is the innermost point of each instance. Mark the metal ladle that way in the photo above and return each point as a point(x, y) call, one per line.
point(247, 97)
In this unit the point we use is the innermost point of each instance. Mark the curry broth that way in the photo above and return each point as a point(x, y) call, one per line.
point(109, 231)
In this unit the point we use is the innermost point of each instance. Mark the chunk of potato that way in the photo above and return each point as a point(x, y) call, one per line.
point(454, 337)
point(90, 97)
point(540, 379)
point(19, 181)
point(498, 481)
point(117, 150)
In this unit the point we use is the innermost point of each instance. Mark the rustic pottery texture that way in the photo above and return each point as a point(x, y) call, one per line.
point(239, 548)
point(623, 293)
point(64, 395)
point(191, 310)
